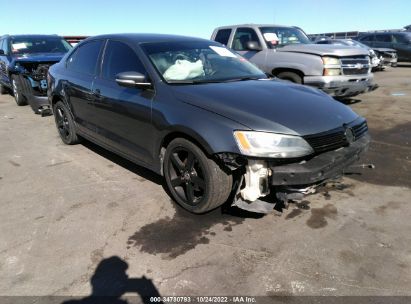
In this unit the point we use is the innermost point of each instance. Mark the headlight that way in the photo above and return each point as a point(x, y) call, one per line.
point(262, 144)
point(331, 61)
point(332, 66)
point(332, 72)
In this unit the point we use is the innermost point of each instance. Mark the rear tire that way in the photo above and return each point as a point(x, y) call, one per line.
point(65, 124)
point(194, 180)
point(290, 76)
point(18, 96)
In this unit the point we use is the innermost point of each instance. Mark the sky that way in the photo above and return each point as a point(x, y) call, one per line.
point(197, 18)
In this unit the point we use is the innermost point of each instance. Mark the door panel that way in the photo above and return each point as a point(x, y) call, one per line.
point(123, 115)
point(78, 88)
point(81, 68)
point(123, 118)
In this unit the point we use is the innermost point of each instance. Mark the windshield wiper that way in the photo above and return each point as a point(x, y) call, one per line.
point(243, 79)
point(203, 81)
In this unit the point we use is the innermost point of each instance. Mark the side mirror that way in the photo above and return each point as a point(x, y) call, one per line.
point(2, 52)
point(253, 46)
point(133, 80)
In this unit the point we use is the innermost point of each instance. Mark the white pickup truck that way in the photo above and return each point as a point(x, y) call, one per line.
point(287, 53)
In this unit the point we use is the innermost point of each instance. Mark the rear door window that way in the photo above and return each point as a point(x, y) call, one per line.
point(84, 59)
point(223, 36)
point(118, 58)
point(368, 38)
point(383, 38)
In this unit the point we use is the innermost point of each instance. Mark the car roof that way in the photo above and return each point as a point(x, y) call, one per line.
point(383, 33)
point(29, 36)
point(254, 25)
point(142, 37)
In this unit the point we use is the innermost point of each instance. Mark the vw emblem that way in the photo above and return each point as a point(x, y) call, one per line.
point(349, 135)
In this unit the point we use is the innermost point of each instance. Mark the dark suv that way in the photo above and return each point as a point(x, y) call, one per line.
point(399, 41)
point(24, 61)
point(204, 117)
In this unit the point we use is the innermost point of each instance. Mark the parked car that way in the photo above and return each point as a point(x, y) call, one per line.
point(399, 41)
point(380, 57)
point(24, 61)
point(203, 117)
point(287, 53)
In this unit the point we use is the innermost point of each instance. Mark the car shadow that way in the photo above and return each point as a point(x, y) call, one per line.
point(125, 163)
point(348, 101)
point(110, 283)
point(403, 65)
point(225, 210)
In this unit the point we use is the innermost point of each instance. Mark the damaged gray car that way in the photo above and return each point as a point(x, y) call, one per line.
point(205, 118)
point(24, 62)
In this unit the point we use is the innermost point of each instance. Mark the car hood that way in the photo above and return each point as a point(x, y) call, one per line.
point(270, 105)
point(39, 57)
point(385, 50)
point(322, 50)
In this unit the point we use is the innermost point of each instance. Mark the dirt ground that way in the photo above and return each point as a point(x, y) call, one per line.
point(78, 220)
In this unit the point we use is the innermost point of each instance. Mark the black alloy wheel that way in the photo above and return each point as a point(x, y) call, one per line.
point(187, 176)
point(195, 180)
point(65, 124)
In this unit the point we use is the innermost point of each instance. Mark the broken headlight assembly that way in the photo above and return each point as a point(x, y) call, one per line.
point(271, 145)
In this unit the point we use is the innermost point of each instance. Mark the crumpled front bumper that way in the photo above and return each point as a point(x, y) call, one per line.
point(342, 86)
point(322, 167)
point(38, 102)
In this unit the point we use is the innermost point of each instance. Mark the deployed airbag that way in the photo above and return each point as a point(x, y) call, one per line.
point(184, 69)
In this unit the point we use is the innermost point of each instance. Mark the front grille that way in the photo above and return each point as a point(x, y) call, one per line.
point(356, 65)
point(334, 139)
point(360, 129)
point(354, 71)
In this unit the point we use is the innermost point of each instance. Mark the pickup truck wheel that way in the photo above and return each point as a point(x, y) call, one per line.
point(194, 180)
point(290, 76)
point(18, 96)
point(3, 90)
point(65, 124)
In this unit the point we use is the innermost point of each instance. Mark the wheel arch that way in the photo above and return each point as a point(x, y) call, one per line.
point(277, 71)
point(182, 132)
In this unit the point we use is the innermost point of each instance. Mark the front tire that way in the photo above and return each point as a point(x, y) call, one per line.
point(195, 181)
point(290, 76)
point(18, 96)
point(65, 124)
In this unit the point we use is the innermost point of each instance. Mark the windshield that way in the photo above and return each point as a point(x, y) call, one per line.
point(199, 62)
point(355, 43)
point(281, 36)
point(31, 45)
point(404, 38)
